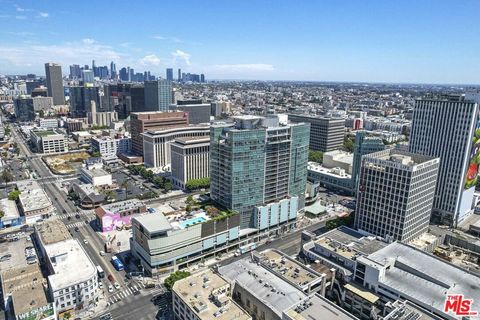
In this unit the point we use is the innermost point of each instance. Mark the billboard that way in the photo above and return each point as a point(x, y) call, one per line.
point(474, 161)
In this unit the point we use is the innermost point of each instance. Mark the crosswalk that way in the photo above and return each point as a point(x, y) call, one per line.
point(76, 224)
point(125, 292)
point(73, 214)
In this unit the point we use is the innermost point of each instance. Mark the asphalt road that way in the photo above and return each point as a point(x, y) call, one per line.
point(138, 307)
point(131, 307)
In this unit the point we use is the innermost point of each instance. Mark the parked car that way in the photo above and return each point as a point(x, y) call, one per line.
point(110, 288)
point(110, 278)
point(116, 285)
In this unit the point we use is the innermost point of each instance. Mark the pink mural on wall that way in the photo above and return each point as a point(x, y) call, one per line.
point(110, 221)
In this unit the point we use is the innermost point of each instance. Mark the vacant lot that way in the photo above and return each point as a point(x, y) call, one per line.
point(65, 163)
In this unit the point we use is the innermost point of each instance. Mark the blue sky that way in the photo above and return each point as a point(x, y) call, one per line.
point(373, 41)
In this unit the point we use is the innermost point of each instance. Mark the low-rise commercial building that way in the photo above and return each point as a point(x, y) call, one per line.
point(96, 177)
point(338, 159)
point(48, 141)
point(118, 214)
point(331, 178)
point(48, 123)
point(190, 159)
point(88, 195)
point(162, 242)
point(269, 285)
point(156, 144)
point(24, 294)
point(371, 274)
point(11, 216)
point(110, 147)
point(34, 202)
point(72, 291)
point(205, 296)
point(81, 136)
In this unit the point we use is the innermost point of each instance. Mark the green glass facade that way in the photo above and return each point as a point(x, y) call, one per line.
point(257, 165)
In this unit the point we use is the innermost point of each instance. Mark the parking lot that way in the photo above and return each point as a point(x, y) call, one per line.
point(13, 253)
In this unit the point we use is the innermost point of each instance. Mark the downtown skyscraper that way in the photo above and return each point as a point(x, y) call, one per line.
point(256, 162)
point(53, 73)
point(448, 127)
point(395, 194)
point(158, 95)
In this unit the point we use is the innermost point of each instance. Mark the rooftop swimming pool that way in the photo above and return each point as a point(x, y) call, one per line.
point(191, 222)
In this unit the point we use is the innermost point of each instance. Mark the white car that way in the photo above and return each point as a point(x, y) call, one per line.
point(110, 288)
point(117, 286)
point(100, 285)
point(85, 241)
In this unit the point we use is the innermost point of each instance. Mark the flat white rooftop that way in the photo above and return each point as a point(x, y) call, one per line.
point(32, 196)
point(70, 263)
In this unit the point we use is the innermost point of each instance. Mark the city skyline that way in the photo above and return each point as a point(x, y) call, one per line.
point(349, 42)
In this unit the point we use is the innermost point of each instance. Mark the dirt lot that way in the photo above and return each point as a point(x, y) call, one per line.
point(65, 163)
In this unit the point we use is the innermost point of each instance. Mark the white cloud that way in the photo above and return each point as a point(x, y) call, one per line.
point(245, 67)
point(88, 41)
point(15, 57)
point(20, 17)
point(44, 14)
point(20, 9)
point(150, 59)
point(179, 54)
point(21, 33)
point(172, 39)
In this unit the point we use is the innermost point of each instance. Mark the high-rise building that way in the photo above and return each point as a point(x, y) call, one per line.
point(169, 74)
point(326, 134)
point(87, 76)
point(143, 121)
point(75, 71)
point(363, 145)
point(158, 95)
point(156, 143)
point(255, 163)
point(395, 194)
point(448, 127)
point(24, 108)
point(94, 69)
point(81, 98)
point(198, 112)
point(131, 74)
point(113, 70)
point(202, 78)
point(54, 77)
point(179, 75)
point(123, 74)
point(189, 159)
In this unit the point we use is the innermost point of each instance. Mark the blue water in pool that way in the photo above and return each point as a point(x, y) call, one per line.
point(191, 222)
